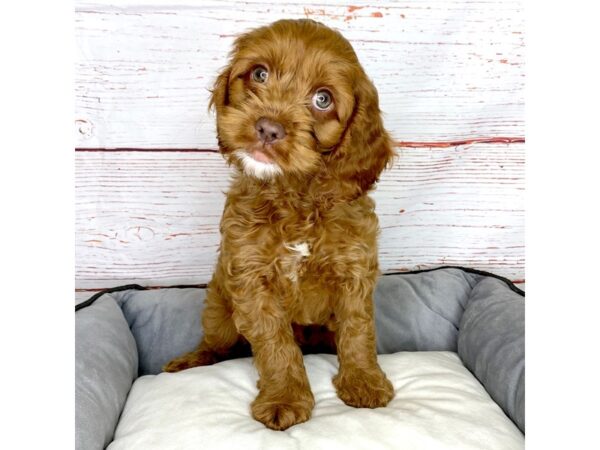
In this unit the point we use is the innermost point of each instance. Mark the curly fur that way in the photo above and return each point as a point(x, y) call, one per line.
point(299, 234)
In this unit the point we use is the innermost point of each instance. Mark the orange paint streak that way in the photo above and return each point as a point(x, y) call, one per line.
point(174, 235)
point(376, 14)
point(353, 8)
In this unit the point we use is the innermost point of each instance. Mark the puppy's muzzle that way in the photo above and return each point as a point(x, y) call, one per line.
point(269, 131)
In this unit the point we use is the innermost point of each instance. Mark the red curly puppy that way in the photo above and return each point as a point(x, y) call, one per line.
point(300, 121)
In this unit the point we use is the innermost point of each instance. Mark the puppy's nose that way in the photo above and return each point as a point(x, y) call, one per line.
point(269, 131)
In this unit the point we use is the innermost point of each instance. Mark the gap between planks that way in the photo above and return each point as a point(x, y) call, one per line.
point(442, 144)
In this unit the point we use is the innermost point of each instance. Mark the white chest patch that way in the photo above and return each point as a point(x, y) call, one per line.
point(302, 248)
point(293, 263)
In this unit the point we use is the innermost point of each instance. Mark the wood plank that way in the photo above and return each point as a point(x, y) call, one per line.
point(446, 71)
point(454, 206)
point(152, 217)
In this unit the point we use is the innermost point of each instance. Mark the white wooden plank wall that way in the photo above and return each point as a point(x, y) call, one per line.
point(149, 183)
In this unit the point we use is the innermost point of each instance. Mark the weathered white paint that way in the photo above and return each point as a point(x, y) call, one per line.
point(445, 71)
point(454, 206)
point(152, 217)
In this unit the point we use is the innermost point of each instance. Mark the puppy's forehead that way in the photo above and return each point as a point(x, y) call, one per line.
point(300, 47)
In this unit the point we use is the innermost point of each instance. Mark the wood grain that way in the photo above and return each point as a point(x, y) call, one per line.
point(445, 71)
point(152, 217)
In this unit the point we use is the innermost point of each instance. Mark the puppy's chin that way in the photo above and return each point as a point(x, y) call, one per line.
point(257, 169)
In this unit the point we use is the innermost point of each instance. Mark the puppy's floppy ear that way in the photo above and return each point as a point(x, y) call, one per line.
point(220, 92)
point(366, 148)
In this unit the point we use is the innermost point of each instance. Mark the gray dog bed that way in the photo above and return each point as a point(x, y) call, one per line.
point(129, 332)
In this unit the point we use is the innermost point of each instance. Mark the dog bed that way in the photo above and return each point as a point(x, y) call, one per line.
point(450, 340)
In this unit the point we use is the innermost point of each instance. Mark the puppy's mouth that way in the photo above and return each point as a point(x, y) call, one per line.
point(258, 161)
point(261, 154)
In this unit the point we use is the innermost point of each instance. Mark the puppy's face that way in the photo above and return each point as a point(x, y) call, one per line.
point(289, 96)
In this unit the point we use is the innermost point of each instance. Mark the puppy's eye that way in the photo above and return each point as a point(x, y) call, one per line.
point(260, 74)
point(322, 100)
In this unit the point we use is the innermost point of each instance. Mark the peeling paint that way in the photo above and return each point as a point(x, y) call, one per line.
point(353, 8)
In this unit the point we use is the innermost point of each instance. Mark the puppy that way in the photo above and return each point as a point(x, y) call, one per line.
point(299, 120)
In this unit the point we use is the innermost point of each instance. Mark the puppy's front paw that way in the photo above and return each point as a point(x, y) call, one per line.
point(363, 388)
point(279, 412)
point(189, 360)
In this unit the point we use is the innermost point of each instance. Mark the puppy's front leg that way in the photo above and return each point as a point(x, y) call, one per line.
point(360, 381)
point(284, 397)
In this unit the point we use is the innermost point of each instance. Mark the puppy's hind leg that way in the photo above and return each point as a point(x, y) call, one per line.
point(221, 339)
